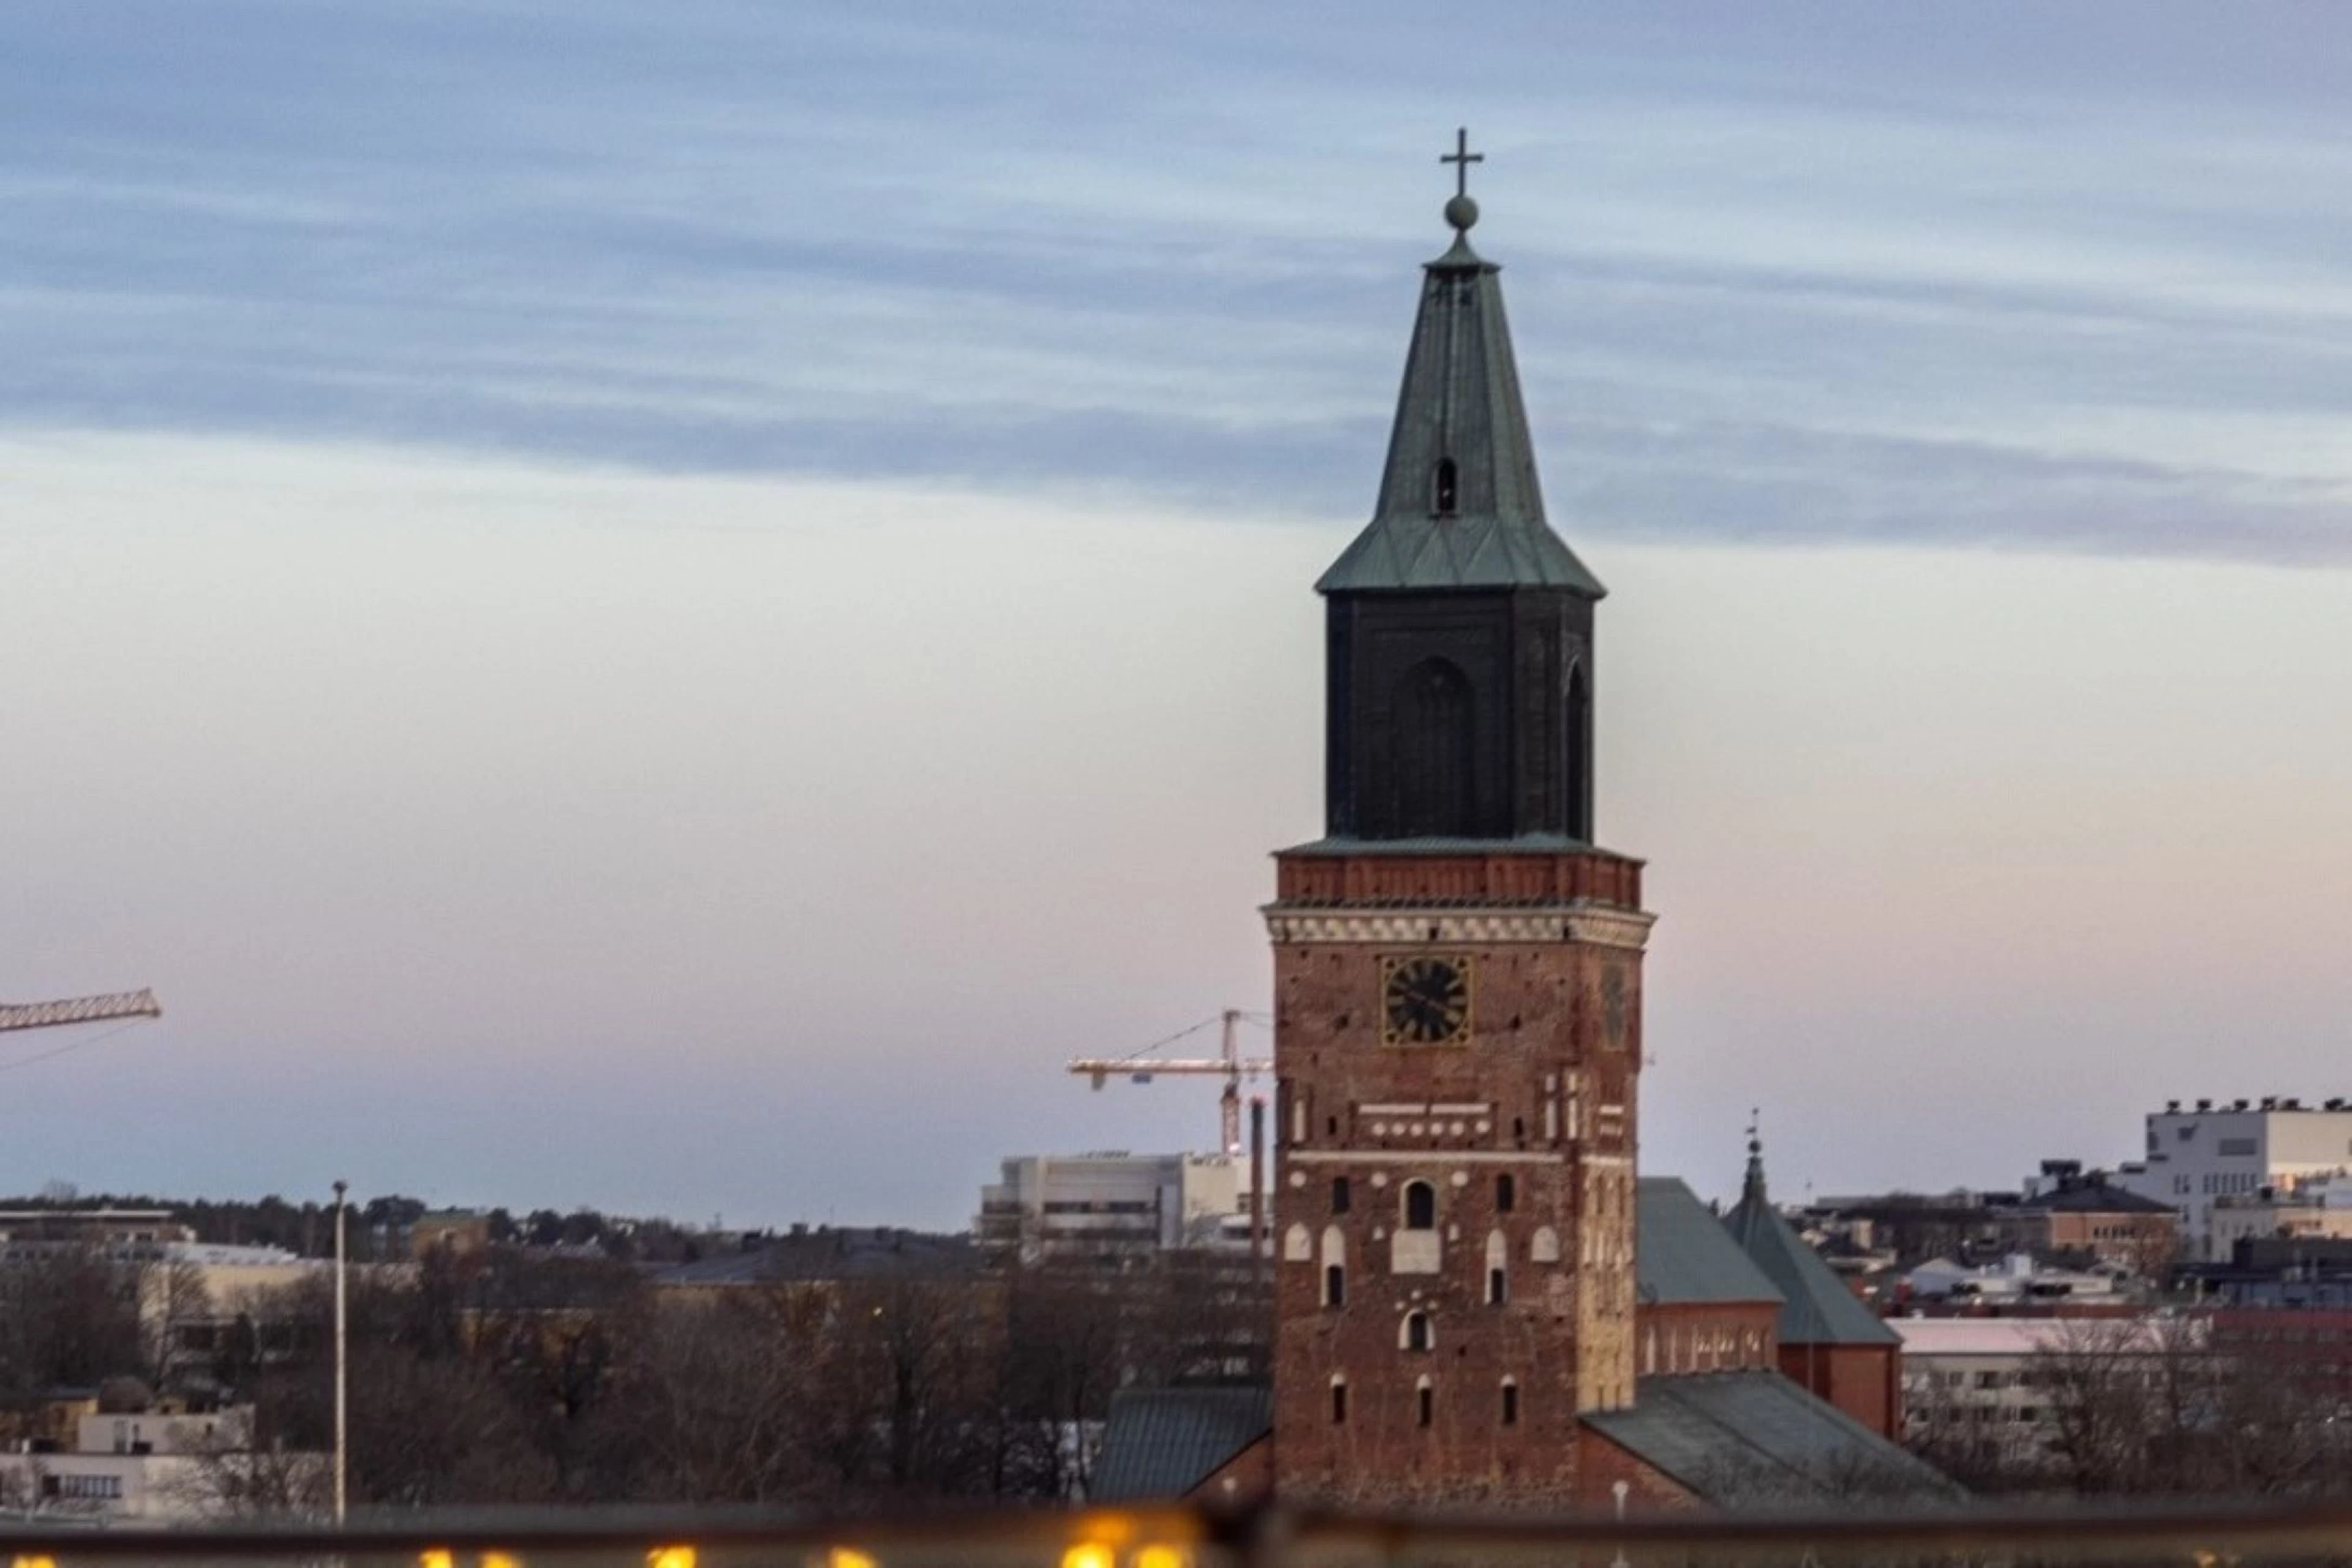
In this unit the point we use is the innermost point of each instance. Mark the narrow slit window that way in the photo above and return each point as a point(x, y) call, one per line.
point(1447, 488)
point(1338, 1401)
point(1506, 1193)
point(1339, 1195)
point(1497, 1288)
point(1428, 1400)
point(1335, 1283)
point(1416, 1331)
point(1510, 1404)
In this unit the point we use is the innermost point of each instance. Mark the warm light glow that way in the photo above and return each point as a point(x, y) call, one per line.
point(436, 1557)
point(670, 1557)
point(500, 1560)
point(32, 1563)
point(1161, 1555)
point(1089, 1554)
point(848, 1557)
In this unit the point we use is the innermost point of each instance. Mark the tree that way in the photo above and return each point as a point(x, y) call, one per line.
point(69, 1316)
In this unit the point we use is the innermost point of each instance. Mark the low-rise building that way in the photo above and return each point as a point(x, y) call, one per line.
point(2017, 1280)
point(1978, 1395)
point(2068, 1209)
point(1115, 1208)
point(2318, 1208)
point(157, 1467)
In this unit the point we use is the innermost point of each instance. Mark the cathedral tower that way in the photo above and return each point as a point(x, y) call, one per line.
point(1457, 977)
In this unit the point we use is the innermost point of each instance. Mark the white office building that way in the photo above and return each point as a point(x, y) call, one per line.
point(2214, 1150)
point(1113, 1205)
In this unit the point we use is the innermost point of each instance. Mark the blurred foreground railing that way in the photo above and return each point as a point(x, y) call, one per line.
point(2185, 1537)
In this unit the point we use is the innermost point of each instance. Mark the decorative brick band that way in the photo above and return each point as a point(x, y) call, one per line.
point(1595, 927)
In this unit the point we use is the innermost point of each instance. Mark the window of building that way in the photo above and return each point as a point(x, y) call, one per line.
point(1446, 489)
point(1339, 1195)
point(1506, 1194)
point(1498, 1288)
point(1426, 1397)
point(1339, 1400)
point(1510, 1403)
point(1335, 1285)
point(1416, 1331)
point(1420, 1206)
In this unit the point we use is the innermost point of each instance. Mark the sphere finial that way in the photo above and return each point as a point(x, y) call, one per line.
point(1461, 211)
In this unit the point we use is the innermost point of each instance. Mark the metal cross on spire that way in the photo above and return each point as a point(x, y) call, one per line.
point(1462, 158)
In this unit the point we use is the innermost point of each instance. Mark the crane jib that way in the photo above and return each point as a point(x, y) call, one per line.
point(80, 1010)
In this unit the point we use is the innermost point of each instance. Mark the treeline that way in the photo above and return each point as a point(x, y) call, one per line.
point(510, 1377)
point(379, 1227)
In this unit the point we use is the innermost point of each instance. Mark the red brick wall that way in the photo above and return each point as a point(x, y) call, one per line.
point(1245, 1477)
point(1647, 1490)
point(1864, 1381)
point(1542, 1063)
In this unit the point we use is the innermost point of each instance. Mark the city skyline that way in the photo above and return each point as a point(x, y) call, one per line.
point(667, 605)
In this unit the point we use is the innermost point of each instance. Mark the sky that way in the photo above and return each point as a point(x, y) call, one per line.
point(668, 607)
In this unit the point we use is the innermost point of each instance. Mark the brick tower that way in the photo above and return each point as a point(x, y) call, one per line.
point(1457, 978)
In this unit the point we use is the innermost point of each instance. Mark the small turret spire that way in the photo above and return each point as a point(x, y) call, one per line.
point(1753, 1191)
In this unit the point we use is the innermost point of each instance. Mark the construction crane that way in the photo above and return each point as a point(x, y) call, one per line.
point(1230, 1065)
point(79, 1010)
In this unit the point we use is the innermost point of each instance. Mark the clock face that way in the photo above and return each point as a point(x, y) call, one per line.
point(1426, 1000)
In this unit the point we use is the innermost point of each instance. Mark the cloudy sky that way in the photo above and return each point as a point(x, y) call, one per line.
point(668, 606)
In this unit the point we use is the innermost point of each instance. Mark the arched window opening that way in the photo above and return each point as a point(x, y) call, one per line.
point(1498, 1259)
point(1446, 497)
point(1339, 1400)
point(1427, 1399)
point(1416, 1331)
point(1420, 1206)
point(1432, 741)
point(1506, 1194)
point(1339, 1195)
point(1510, 1403)
point(1335, 1283)
point(1576, 767)
point(1298, 1247)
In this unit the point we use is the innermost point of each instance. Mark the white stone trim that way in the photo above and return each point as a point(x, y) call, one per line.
point(1591, 925)
point(1417, 1156)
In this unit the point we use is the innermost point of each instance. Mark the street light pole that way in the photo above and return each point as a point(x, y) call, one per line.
point(342, 1358)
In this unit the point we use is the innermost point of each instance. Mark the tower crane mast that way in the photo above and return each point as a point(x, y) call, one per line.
point(1230, 1064)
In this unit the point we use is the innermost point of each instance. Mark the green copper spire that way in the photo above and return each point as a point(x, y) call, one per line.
point(1460, 506)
